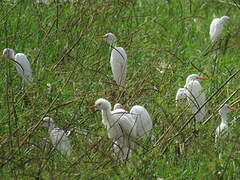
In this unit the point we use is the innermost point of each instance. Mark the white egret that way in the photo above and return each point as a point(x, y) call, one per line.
point(216, 28)
point(141, 117)
point(120, 127)
point(222, 129)
point(22, 64)
point(195, 95)
point(58, 136)
point(118, 59)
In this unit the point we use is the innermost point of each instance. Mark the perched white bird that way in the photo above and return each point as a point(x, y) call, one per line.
point(193, 91)
point(222, 129)
point(22, 64)
point(120, 127)
point(216, 28)
point(118, 59)
point(141, 117)
point(58, 136)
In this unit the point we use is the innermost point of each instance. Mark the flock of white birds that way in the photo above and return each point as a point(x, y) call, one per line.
point(125, 128)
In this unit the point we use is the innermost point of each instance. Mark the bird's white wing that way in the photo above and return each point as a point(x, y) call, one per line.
point(142, 118)
point(60, 140)
point(119, 65)
point(181, 94)
point(124, 124)
point(27, 73)
point(125, 132)
point(123, 149)
point(196, 98)
point(196, 93)
point(221, 131)
point(215, 29)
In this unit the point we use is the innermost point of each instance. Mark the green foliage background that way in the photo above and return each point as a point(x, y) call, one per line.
point(60, 40)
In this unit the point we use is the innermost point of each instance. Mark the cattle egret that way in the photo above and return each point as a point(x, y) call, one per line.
point(193, 91)
point(58, 136)
point(22, 64)
point(222, 129)
point(141, 117)
point(120, 127)
point(216, 28)
point(118, 59)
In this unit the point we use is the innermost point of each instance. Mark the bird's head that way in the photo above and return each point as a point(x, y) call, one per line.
point(102, 104)
point(110, 38)
point(224, 19)
point(118, 106)
point(8, 53)
point(47, 122)
point(194, 77)
point(226, 109)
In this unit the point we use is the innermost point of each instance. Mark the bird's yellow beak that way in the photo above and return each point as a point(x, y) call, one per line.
point(202, 78)
point(93, 106)
point(232, 108)
point(102, 37)
point(2, 57)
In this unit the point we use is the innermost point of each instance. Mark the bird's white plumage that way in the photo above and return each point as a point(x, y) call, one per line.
point(181, 94)
point(222, 129)
point(60, 141)
point(25, 70)
point(118, 63)
point(27, 73)
point(58, 136)
point(123, 123)
point(214, 32)
point(120, 126)
point(143, 120)
point(117, 106)
point(141, 116)
point(195, 95)
point(196, 98)
point(118, 59)
point(216, 28)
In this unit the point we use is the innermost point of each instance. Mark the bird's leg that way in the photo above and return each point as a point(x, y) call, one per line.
point(216, 55)
point(194, 125)
point(121, 92)
point(21, 85)
point(26, 99)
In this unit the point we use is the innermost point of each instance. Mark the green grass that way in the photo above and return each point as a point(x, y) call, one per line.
point(62, 46)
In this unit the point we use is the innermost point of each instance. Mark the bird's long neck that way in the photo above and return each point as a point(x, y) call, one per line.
point(112, 45)
point(106, 117)
point(12, 56)
point(190, 80)
point(224, 117)
point(51, 127)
